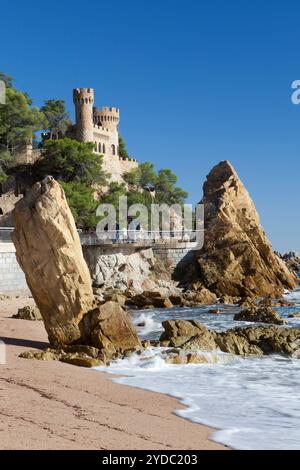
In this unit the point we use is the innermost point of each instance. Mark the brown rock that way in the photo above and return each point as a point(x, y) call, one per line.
point(49, 252)
point(28, 313)
point(159, 302)
point(178, 332)
point(45, 355)
point(110, 329)
point(294, 315)
point(229, 300)
point(149, 299)
point(261, 340)
point(80, 355)
point(83, 361)
point(237, 259)
point(83, 349)
point(176, 299)
point(206, 297)
point(215, 311)
point(260, 314)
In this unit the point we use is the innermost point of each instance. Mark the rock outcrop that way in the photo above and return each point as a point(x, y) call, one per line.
point(120, 271)
point(166, 298)
point(260, 314)
point(191, 335)
point(107, 333)
point(49, 252)
point(237, 259)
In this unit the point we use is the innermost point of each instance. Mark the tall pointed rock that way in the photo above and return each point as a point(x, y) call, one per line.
point(49, 252)
point(237, 259)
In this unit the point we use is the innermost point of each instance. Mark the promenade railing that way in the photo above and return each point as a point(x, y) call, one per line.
point(124, 236)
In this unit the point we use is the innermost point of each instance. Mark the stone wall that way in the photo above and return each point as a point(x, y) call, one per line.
point(175, 253)
point(109, 263)
point(12, 278)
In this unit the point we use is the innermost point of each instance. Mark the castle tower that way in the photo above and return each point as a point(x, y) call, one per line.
point(108, 118)
point(83, 99)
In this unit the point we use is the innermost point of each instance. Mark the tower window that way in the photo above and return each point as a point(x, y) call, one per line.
point(103, 148)
point(113, 149)
point(99, 147)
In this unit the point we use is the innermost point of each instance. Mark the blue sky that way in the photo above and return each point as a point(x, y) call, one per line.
point(197, 82)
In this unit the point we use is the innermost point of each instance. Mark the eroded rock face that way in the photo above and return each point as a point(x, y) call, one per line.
point(237, 259)
point(261, 340)
point(119, 271)
point(260, 314)
point(49, 252)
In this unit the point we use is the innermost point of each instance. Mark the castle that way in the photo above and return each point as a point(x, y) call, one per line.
point(100, 127)
point(91, 125)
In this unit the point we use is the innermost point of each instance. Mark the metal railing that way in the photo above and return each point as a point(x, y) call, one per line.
point(139, 237)
point(123, 236)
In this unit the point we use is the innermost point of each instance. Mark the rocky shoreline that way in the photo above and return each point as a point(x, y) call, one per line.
point(89, 327)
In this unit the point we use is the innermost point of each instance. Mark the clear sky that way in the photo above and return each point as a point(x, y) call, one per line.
point(197, 82)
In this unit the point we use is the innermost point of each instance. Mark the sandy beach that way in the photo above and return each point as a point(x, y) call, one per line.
point(52, 405)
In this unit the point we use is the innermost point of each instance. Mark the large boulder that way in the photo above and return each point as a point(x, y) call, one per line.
point(191, 335)
point(49, 252)
point(179, 332)
point(107, 333)
point(237, 259)
point(110, 329)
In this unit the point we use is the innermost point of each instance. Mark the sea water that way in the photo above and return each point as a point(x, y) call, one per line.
point(253, 402)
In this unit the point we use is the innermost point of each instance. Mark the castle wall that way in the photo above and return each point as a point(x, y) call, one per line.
point(25, 154)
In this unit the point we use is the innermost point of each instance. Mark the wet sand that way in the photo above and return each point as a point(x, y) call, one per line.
point(52, 405)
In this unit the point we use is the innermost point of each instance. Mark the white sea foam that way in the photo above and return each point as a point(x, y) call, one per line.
point(146, 323)
point(254, 402)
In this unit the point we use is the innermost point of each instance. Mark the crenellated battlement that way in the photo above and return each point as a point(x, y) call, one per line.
point(82, 96)
point(107, 117)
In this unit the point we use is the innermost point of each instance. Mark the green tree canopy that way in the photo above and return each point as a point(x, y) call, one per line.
point(144, 176)
point(19, 121)
point(122, 148)
point(71, 161)
point(82, 203)
point(56, 116)
point(166, 190)
point(163, 183)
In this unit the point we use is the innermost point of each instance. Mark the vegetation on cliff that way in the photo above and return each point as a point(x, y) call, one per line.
point(73, 163)
point(19, 121)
